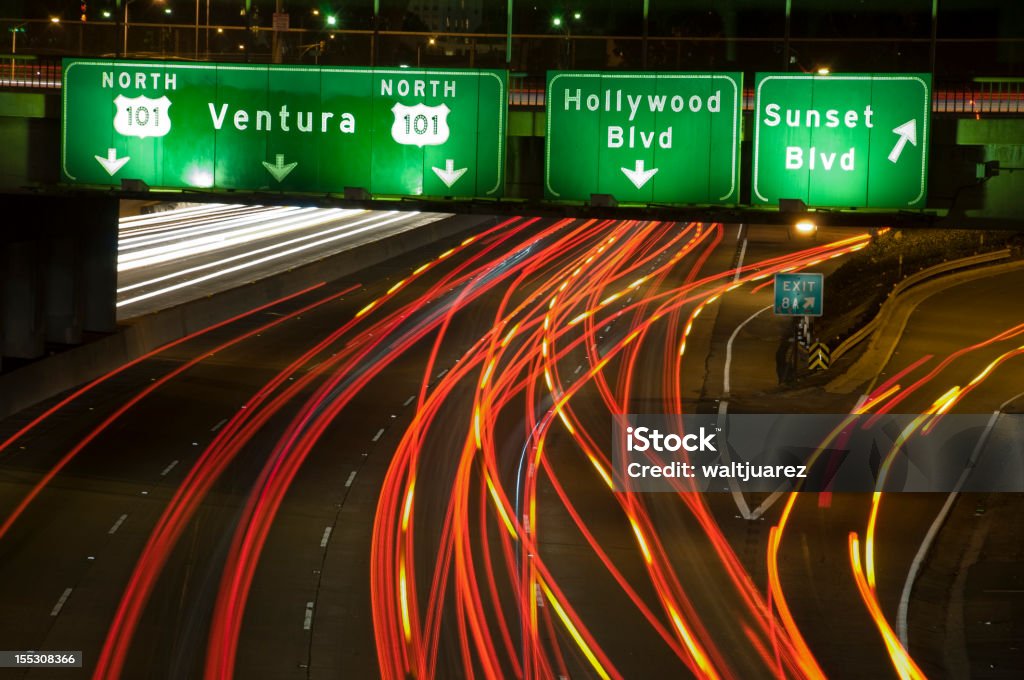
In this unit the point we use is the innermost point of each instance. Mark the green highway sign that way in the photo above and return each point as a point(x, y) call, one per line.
point(643, 137)
point(799, 294)
point(847, 141)
point(413, 132)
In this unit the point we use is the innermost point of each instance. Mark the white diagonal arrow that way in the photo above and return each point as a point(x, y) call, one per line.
point(112, 163)
point(639, 176)
point(278, 169)
point(907, 133)
point(808, 303)
point(449, 175)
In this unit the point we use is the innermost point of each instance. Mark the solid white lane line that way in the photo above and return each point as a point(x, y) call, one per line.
point(327, 537)
point(169, 468)
point(351, 477)
point(940, 519)
point(60, 603)
point(728, 349)
point(117, 524)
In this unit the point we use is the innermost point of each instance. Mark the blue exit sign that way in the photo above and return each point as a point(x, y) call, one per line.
point(799, 294)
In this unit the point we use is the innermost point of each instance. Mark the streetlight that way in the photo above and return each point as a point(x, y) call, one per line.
point(15, 30)
point(806, 227)
point(566, 27)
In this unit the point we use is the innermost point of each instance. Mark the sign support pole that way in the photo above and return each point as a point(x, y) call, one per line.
point(117, 37)
point(785, 46)
point(935, 31)
point(647, 12)
point(375, 38)
point(508, 37)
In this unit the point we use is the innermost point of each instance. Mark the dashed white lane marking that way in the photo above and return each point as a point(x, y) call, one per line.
point(218, 425)
point(739, 260)
point(168, 468)
point(409, 400)
point(348, 482)
point(117, 524)
point(308, 622)
point(578, 369)
point(441, 374)
point(377, 436)
point(326, 537)
point(60, 603)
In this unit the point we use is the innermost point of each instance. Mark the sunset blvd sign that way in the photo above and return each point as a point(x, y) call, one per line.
point(846, 141)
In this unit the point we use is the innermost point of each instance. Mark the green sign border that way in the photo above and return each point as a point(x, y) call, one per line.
point(738, 89)
point(762, 78)
point(501, 130)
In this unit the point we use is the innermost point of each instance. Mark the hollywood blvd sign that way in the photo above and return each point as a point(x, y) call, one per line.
point(846, 141)
point(432, 132)
point(643, 137)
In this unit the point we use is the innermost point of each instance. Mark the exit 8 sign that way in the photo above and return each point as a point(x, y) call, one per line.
point(848, 141)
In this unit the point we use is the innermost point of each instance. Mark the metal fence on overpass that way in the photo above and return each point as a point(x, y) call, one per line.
point(976, 96)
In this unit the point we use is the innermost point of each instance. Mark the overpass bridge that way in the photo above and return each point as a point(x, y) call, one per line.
point(974, 122)
point(969, 146)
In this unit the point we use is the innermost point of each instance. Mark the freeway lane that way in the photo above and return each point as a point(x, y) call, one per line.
point(136, 454)
point(179, 255)
point(413, 479)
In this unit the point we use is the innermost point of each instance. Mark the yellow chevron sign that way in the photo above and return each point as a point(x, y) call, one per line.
point(819, 357)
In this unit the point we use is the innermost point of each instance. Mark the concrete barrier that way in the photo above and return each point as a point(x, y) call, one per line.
point(908, 283)
point(49, 377)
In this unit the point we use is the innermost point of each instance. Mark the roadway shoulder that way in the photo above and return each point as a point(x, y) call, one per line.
point(893, 318)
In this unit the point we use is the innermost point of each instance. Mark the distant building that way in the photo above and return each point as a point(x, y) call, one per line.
point(455, 16)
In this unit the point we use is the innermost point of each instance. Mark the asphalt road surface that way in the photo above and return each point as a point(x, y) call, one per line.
point(405, 473)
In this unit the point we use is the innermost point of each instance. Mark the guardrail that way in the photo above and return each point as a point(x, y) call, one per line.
point(909, 282)
point(29, 72)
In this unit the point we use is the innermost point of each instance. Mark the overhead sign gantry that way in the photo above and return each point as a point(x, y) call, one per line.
point(643, 137)
point(414, 132)
point(845, 141)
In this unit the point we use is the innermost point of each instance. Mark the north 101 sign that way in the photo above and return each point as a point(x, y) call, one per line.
point(412, 132)
point(847, 140)
point(643, 137)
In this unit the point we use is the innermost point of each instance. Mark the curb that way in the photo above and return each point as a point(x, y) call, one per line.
point(908, 283)
point(895, 314)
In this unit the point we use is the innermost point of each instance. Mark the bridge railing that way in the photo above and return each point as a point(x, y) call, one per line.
point(37, 47)
point(961, 58)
